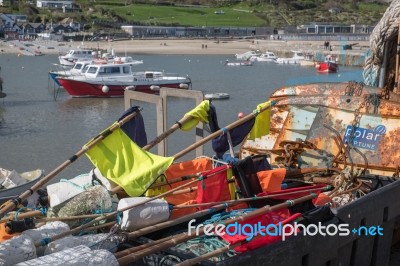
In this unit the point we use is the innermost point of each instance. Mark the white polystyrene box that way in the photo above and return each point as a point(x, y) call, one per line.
point(67, 189)
point(144, 215)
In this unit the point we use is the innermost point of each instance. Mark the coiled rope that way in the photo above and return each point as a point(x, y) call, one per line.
point(384, 32)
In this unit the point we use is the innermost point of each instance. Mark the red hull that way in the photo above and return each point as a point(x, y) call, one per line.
point(327, 67)
point(84, 89)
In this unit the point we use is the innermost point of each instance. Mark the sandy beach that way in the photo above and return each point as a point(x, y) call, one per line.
point(178, 46)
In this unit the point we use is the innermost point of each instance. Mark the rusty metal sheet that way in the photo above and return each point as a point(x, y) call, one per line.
point(375, 136)
point(326, 88)
point(287, 122)
point(350, 103)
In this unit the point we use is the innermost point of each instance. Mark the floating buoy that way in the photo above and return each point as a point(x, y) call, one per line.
point(105, 89)
point(183, 86)
point(130, 88)
point(154, 88)
point(240, 115)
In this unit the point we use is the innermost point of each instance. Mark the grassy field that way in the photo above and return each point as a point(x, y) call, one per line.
point(200, 16)
point(245, 15)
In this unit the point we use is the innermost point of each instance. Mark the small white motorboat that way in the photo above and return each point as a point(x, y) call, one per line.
point(216, 96)
point(295, 59)
point(239, 63)
point(264, 57)
point(12, 184)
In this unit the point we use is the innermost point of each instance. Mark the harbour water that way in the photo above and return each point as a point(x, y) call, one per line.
point(38, 130)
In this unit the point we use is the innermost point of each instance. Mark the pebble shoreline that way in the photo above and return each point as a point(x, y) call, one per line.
point(187, 47)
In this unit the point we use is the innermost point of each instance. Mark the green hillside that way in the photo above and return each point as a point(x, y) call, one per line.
point(213, 13)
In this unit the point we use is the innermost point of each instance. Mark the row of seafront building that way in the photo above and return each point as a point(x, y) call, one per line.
point(15, 27)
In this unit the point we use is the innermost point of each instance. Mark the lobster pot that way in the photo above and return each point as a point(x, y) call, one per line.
point(148, 214)
point(95, 199)
point(48, 230)
point(67, 189)
point(93, 241)
point(80, 255)
point(17, 249)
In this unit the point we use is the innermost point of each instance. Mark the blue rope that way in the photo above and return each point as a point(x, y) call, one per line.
point(45, 241)
point(76, 185)
point(17, 213)
point(44, 211)
point(227, 215)
point(119, 218)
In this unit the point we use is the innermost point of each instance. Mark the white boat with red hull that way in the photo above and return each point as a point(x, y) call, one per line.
point(112, 79)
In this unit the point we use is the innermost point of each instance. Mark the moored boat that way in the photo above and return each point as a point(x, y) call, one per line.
point(13, 183)
point(264, 57)
point(216, 96)
point(329, 65)
point(111, 80)
point(79, 67)
point(73, 55)
point(238, 63)
point(295, 59)
point(247, 55)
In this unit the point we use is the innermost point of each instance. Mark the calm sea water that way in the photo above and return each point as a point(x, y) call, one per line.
point(39, 131)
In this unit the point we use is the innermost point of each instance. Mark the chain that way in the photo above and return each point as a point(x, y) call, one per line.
point(385, 93)
point(354, 88)
point(349, 91)
point(356, 122)
point(375, 101)
point(359, 88)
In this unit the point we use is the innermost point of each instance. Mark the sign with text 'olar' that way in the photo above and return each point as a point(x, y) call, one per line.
point(364, 138)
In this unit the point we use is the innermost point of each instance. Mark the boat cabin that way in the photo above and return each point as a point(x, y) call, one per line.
point(94, 70)
point(80, 53)
point(331, 58)
point(298, 55)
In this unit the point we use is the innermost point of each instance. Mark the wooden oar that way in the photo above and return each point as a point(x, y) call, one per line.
point(165, 134)
point(185, 236)
point(158, 139)
point(219, 132)
point(289, 174)
point(15, 202)
point(166, 224)
point(237, 201)
point(206, 139)
point(217, 206)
